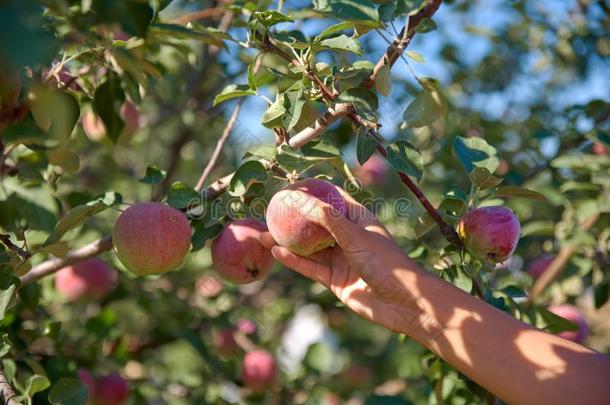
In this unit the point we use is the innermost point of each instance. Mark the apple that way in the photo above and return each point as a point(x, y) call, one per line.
point(258, 370)
point(574, 315)
point(92, 279)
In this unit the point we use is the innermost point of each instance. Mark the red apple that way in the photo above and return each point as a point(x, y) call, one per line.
point(91, 280)
point(490, 233)
point(151, 238)
point(112, 389)
point(572, 314)
point(258, 370)
point(538, 266)
point(374, 171)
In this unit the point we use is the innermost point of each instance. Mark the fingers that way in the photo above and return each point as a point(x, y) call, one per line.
point(267, 240)
point(359, 214)
point(307, 267)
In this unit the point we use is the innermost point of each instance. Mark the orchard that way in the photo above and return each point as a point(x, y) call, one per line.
point(166, 164)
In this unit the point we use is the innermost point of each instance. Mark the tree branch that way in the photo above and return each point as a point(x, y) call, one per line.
point(198, 15)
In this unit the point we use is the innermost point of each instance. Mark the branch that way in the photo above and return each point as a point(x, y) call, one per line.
point(51, 266)
point(320, 125)
point(402, 40)
point(7, 393)
point(198, 15)
point(6, 241)
point(558, 264)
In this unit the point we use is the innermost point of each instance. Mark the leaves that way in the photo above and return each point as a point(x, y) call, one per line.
point(483, 179)
point(476, 152)
point(54, 111)
point(555, 323)
point(153, 175)
point(272, 117)
point(207, 35)
point(417, 57)
point(365, 146)
point(182, 196)
point(341, 43)
point(428, 106)
point(203, 234)
point(519, 192)
point(270, 17)
point(405, 158)
point(8, 287)
point(233, 91)
point(383, 81)
point(68, 391)
point(248, 174)
point(73, 218)
point(36, 383)
point(134, 16)
point(107, 101)
point(294, 100)
point(361, 11)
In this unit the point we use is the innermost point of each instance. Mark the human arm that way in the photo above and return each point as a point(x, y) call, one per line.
point(513, 360)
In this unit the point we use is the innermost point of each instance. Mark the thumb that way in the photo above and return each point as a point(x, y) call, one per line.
point(344, 231)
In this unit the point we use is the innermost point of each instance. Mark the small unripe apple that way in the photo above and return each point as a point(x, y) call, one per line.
point(599, 149)
point(237, 254)
point(111, 389)
point(96, 130)
point(374, 171)
point(490, 234)
point(246, 326)
point(151, 238)
point(258, 370)
point(538, 266)
point(293, 230)
point(357, 376)
point(90, 280)
point(209, 286)
point(225, 343)
point(572, 314)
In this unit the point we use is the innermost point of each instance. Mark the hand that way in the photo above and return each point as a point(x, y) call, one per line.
point(366, 270)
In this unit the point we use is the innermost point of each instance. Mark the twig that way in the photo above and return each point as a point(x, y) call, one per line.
point(75, 256)
point(558, 264)
point(6, 241)
point(321, 124)
point(225, 134)
point(7, 393)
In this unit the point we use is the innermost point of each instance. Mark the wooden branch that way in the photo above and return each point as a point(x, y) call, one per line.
point(6, 241)
point(402, 40)
point(557, 265)
point(7, 393)
point(198, 15)
point(320, 125)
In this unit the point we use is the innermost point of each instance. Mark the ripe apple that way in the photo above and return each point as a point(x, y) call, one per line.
point(246, 326)
point(572, 314)
point(258, 370)
point(237, 254)
point(490, 233)
point(90, 280)
point(96, 130)
point(374, 171)
point(151, 238)
point(293, 230)
point(599, 149)
point(539, 265)
point(111, 389)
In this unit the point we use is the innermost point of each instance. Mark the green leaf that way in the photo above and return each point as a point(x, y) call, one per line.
point(410, 7)
point(383, 81)
point(601, 293)
point(207, 35)
point(514, 292)
point(248, 173)
point(74, 218)
point(463, 281)
point(68, 391)
point(428, 106)
point(134, 16)
point(320, 149)
point(265, 151)
point(417, 57)
point(251, 77)
point(292, 160)
point(64, 158)
point(203, 234)
point(341, 43)
point(483, 179)
point(519, 192)
point(107, 101)
point(555, 323)
point(294, 100)
point(8, 287)
point(425, 25)
point(36, 383)
point(363, 11)
point(233, 91)
point(273, 115)
point(334, 29)
point(365, 146)
point(405, 158)
point(54, 111)
point(270, 17)
point(360, 97)
point(476, 152)
point(153, 175)
point(182, 196)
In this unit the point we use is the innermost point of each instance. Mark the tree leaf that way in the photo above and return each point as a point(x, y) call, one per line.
point(64, 158)
point(483, 179)
point(334, 29)
point(36, 383)
point(341, 43)
point(207, 35)
point(74, 218)
point(320, 149)
point(107, 101)
point(68, 391)
point(153, 175)
point(362, 11)
point(203, 234)
point(265, 151)
point(383, 81)
point(54, 111)
point(248, 173)
point(365, 146)
point(360, 96)
point(8, 287)
point(233, 91)
point(270, 17)
point(134, 16)
point(476, 152)
point(182, 196)
point(294, 100)
point(519, 192)
point(273, 115)
point(555, 323)
point(425, 25)
point(417, 57)
point(428, 106)
point(405, 158)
